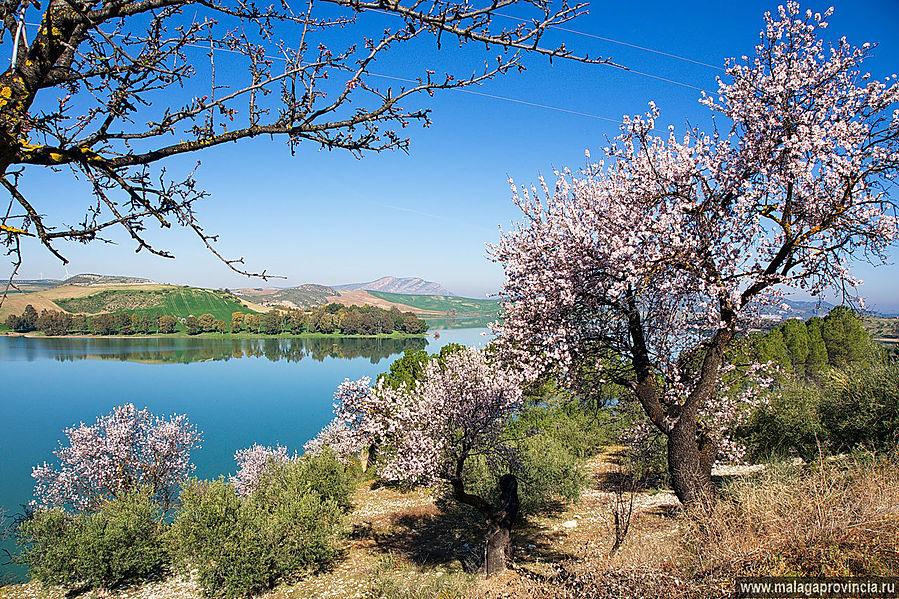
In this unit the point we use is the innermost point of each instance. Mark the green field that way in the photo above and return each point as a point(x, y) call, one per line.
point(178, 302)
point(462, 306)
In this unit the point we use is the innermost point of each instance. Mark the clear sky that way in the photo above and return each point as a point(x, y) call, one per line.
point(327, 217)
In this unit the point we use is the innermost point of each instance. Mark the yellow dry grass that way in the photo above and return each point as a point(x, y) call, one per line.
point(44, 300)
point(360, 297)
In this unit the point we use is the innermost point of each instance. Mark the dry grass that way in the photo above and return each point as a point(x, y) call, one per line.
point(45, 300)
point(829, 519)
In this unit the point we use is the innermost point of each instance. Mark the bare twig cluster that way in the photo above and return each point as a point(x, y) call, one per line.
point(108, 88)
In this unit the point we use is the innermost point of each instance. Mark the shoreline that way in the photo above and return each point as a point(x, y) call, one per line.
point(183, 335)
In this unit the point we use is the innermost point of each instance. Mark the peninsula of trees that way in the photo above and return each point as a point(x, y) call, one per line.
point(328, 319)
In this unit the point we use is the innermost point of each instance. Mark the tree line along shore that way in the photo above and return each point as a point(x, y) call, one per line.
point(329, 319)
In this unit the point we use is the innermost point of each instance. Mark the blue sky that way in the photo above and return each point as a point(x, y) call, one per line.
point(327, 217)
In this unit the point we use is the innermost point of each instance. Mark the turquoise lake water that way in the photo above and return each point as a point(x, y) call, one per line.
point(238, 392)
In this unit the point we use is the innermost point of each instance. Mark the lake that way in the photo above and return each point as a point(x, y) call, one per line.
point(237, 391)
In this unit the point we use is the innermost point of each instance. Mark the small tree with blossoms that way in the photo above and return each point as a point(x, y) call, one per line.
point(125, 450)
point(429, 432)
point(665, 247)
point(252, 463)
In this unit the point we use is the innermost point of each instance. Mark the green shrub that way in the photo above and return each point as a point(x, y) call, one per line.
point(546, 473)
point(121, 542)
point(860, 406)
point(582, 431)
point(242, 546)
point(790, 425)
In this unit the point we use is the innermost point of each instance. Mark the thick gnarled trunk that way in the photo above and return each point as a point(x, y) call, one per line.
point(690, 459)
point(498, 549)
point(500, 519)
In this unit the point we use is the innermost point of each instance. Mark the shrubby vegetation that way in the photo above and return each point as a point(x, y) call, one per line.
point(244, 544)
point(837, 389)
point(107, 515)
point(121, 541)
point(331, 318)
point(833, 519)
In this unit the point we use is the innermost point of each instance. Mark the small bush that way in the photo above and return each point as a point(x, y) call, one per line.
point(288, 524)
point(581, 431)
point(838, 518)
point(123, 541)
point(546, 472)
point(790, 425)
point(860, 407)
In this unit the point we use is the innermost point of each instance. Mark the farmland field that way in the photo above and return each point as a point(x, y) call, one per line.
point(179, 302)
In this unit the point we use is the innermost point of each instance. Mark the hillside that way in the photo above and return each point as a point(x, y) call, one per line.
point(179, 302)
point(303, 297)
point(446, 311)
point(93, 280)
point(406, 285)
point(885, 329)
point(29, 285)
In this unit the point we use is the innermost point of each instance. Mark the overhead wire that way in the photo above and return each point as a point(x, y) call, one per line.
point(519, 100)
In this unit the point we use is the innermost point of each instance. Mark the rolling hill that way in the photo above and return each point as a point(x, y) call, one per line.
point(92, 280)
point(175, 301)
point(179, 302)
point(303, 296)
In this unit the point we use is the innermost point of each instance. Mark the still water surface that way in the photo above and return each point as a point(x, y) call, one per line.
point(238, 392)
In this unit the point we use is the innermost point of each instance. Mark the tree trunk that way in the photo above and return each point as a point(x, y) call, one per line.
point(500, 518)
point(498, 549)
point(690, 457)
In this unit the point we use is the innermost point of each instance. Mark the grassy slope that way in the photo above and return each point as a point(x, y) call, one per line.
point(179, 302)
point(464, 306)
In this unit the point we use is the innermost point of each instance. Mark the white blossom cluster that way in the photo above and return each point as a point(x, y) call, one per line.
point(424, 432)
point(125, 449)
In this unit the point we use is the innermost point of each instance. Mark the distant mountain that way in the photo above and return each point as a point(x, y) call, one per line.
point(407, 285)
point(28, 285)
point(797, 309)
point(92, 280)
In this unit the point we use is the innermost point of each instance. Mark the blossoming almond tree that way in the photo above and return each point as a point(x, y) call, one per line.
point(665, 247)
point(126, 449)
point(252, 463)
point(427, 433)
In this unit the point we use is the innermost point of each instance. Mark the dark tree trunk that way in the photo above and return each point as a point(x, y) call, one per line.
point(498, 550)
point(690, 458)
point(500, 518)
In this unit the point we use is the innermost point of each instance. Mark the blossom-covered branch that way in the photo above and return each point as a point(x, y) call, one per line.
point(106, 90)
point(125, 450)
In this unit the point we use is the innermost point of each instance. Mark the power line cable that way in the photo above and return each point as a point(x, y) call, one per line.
point(620, 43)
point(471, 91)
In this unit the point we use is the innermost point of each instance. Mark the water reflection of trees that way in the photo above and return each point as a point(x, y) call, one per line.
point(183, 351)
